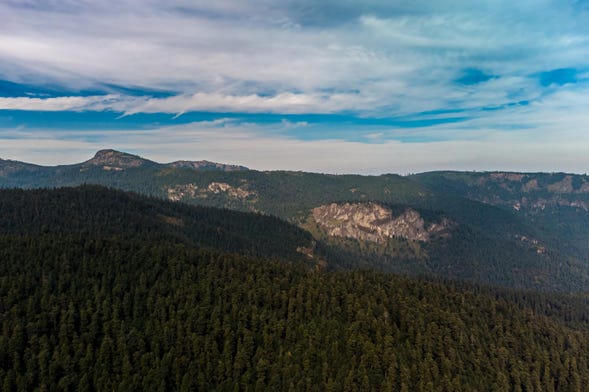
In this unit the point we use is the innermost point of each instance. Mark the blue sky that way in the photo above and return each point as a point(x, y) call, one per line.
point(329, 86)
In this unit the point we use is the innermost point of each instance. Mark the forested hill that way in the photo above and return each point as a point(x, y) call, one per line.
point(98, 212)
point(519, 230)
point(102, 290)
point(556, 203)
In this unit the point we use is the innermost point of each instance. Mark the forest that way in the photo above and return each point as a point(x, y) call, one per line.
point(134, 307)
point(516, 230)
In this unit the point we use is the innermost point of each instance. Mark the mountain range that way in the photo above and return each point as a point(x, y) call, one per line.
point(517, 230)
point(108, 289)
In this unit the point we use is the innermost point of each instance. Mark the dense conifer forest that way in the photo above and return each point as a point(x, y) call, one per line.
point(134, 304)
point(517, 230)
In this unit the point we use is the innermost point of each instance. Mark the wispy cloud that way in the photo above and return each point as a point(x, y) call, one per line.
point(387, 51)
point(493, 66)
point(270, 148)
point(287, 103)
point(59, 103)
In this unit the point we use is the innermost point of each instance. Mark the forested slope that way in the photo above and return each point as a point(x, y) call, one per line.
point(519, 230)
point(99, 212)
point(139, 309)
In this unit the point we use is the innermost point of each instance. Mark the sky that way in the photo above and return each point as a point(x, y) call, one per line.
point(336, 86)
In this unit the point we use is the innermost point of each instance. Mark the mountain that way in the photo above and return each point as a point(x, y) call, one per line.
point(106, 290)
point(557, 204)
point(98, 169)
point(521, 230)
point(116, 160)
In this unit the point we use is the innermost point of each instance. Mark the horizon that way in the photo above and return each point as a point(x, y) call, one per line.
point(167, 162)
point(335, 87)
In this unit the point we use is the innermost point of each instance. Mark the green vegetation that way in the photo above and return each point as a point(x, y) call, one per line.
point(94, 210)
point(556, 205)
point(288, 195)
point(522, 230)
point(470, 253)
point(98, 292)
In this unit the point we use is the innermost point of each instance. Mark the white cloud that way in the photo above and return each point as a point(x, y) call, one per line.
point(258, 147)
point(57, 104)
point(400, 57)
point(372, 58)
point(286, 103)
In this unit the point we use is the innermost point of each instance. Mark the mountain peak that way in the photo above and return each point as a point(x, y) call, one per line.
point(116, 159)
point(109, 152)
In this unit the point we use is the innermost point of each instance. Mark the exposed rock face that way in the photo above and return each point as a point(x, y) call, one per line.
point(532, 243)
point(563, 186)
point(530, 186)
point(171, 220)
point(541, 204)
point(376, 223)
point(507, 176)
point(532, 182)
point(180, 192)
point(116, 160)
point(206, 165)
point(237, 193)
point(191, 191)
point(112, 168)
point(532, 192)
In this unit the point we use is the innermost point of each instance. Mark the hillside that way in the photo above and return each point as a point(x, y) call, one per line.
point(98, 292)
point(557, 204)
point(107, 213)
point(509, 229)
point(288, 195)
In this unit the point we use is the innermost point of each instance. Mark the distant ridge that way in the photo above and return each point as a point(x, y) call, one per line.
point(8, 167)
point(206, 165)
point(111, 159)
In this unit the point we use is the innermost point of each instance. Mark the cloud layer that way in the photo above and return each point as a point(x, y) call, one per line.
point(401, 58)
point(259, 147)
point(493, 67)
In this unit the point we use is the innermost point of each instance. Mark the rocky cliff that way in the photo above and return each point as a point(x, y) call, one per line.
point(526, 192)
point(376, 223)
point(116, 160)
point(192, 191)
point(206, 165)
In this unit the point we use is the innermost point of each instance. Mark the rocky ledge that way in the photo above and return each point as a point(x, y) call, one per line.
point(206, 165)
point(376, 223)
point(192, 191)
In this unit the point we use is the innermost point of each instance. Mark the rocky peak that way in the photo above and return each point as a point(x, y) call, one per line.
point(116, 160)
point(206, 165)
point(374, 222)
